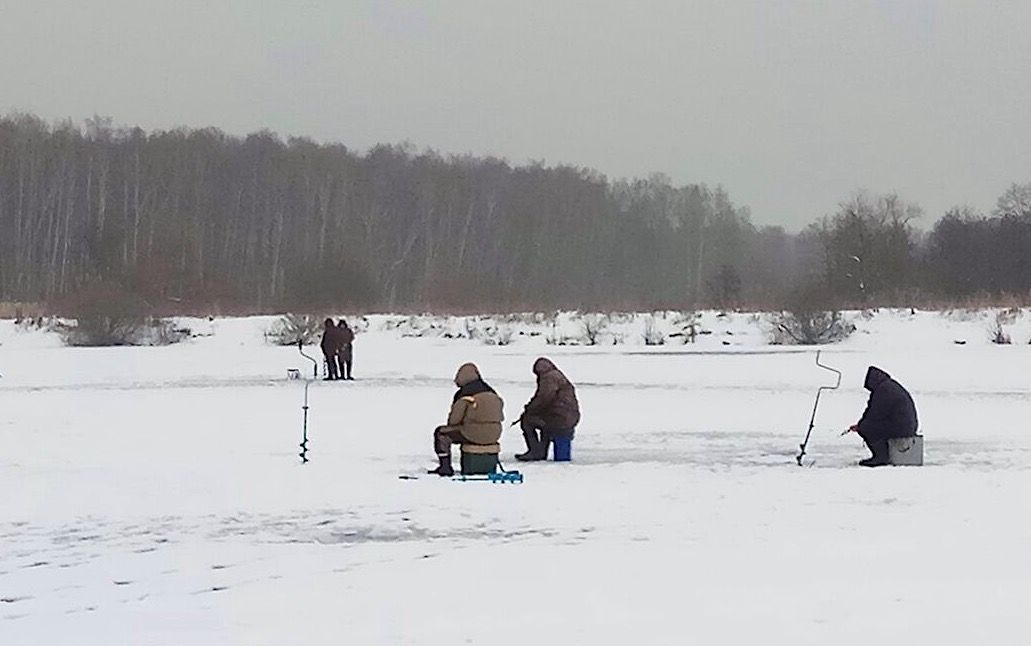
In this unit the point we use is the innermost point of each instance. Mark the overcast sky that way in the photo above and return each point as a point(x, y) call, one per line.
point(791, 106)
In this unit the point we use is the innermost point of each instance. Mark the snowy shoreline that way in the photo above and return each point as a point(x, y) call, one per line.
point(155, 494)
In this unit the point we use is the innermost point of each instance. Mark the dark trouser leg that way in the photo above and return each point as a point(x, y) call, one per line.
point(536, 446)
point(348, 361)
point(878, 451)
point(443, 438)
point(331, 366)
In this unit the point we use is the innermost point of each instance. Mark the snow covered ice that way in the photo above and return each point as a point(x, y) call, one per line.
point(155, 496)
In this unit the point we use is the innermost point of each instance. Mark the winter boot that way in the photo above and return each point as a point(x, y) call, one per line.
point(445, 469)
point(535, 450)
point(879, 451)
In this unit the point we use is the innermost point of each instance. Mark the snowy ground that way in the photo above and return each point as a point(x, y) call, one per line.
point(154, 495)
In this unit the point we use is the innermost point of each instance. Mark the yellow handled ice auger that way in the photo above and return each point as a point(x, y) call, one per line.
point(812, 420)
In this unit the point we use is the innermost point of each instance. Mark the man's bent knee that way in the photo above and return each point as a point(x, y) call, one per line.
point(531, 423)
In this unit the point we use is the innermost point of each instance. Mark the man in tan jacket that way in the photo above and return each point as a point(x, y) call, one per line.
point(474, 420)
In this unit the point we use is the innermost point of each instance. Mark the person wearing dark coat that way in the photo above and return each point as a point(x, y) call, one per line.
point(345, 352)
point(889, 413)
point(553, 410)
point(329, 347)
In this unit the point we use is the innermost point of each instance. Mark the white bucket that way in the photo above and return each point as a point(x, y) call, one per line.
point(906, 451)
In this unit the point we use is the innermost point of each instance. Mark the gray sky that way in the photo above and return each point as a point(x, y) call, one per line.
point(790, 105)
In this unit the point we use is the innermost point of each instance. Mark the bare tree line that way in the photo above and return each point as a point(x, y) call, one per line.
point(204, 219)
point(868, 252)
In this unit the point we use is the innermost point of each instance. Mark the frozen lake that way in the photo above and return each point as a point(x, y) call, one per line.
point(154, 495)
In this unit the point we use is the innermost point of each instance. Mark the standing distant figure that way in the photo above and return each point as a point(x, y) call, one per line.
point(345, 353)
point(889, 413)
point(330, 345)
point(553, 409)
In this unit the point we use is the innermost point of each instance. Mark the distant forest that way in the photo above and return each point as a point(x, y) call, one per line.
point(198, 220)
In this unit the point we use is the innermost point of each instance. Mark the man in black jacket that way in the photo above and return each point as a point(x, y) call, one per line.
point(345, 350)
point(889, 413)
point(330, 345)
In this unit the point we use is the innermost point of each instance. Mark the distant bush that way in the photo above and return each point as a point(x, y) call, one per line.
point(997, 332)
point(652, 335)
point(472, 332)
point(31, 324)
point(689, 324)
point(359, 324)
point(810, 320)
point(555, 335)
point(1009, 315)
point(418, 326)
point(107, 314)
point(555, 338)
point(499, 335)
point(810, 328)
point(594, 325)
point(290, 329)
point(163, 332)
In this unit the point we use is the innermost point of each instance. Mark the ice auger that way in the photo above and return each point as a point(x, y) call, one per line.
point(812, 420)
point(307, 384)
